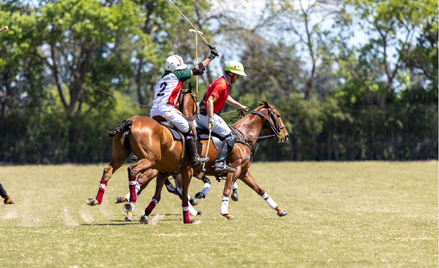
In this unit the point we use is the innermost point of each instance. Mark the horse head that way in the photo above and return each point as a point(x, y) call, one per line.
point(273, 121)
point(187, 104)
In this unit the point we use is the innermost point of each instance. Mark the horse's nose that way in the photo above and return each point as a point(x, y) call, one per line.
point(287, 137)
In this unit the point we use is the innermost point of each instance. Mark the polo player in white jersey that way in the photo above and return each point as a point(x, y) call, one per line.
point(166, 94)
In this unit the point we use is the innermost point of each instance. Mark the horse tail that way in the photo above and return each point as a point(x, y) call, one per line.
point(123, 127)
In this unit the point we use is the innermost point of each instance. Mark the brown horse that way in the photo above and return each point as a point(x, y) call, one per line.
point(154, 145)
point(248, 129)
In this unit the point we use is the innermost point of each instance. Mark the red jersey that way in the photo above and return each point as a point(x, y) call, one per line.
point(220, 90)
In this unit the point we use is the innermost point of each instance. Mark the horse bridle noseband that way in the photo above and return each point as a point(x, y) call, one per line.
point(274, 124)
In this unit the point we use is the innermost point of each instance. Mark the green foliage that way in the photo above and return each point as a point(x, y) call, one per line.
point(339, 99)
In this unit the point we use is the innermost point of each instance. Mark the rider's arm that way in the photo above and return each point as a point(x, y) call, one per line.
point(233, 102)
point(204, 63)
point(209, 106)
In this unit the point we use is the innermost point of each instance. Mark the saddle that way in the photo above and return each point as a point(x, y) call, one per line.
point(177, 135)
point(203, 134)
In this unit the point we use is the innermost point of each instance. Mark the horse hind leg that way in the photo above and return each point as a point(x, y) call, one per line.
point(248, 179)
point(120, 155)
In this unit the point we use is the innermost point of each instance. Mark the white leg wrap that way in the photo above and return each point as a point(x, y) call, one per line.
point(269, 201)
point(206, 188)
point(192, 210)
point(235, 186)
point(225, 206)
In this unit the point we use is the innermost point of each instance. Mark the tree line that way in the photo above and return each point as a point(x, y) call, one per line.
point(353, 79)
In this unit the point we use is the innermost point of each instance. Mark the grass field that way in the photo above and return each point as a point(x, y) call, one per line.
point(359, 214)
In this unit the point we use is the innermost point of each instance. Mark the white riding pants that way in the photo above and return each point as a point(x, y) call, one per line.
point(220, 126)
point(174, 117)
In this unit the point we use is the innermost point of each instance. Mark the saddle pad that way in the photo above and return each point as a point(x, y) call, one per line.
point(203, 134)
point(174, 132)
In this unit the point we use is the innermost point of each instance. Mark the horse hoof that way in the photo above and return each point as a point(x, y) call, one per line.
point(128, 218)
point(200, 213)
point(282, 213)
point(193, 202)
point(229, 217)
point(118, 200)
point(92, 202)
point(128, 207)
point(144, 220)
point(199, 195)
point(235, 195)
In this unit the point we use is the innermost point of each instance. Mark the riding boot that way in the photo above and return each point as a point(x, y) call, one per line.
point(191, 148)
point(220, 165)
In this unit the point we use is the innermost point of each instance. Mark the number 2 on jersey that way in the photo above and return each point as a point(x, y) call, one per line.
point(163, 85)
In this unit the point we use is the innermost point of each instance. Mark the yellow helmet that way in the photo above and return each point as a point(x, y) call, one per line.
point(235, 67)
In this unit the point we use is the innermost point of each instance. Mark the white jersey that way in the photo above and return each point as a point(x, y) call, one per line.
point(168, 89)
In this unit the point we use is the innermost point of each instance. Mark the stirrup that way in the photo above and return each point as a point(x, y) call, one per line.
point(203, 159)
point(223, 168)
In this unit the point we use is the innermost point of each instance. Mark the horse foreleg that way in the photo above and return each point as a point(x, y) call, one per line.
point(160, 181)
point(231, 179)
point(142, 182)
point(205, 191)
point(248, 179)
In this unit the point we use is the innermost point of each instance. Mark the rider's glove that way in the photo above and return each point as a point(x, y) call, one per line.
point(199, 70)
point(211, 123)
point(213, 53)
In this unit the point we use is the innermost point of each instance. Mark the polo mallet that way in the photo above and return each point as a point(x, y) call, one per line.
point(203, 170)
point(198, 32)
point(4, 29)
point(196, 55)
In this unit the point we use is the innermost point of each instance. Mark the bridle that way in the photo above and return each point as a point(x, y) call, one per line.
point(194, 98)
point(273, 123)
point(254, 145)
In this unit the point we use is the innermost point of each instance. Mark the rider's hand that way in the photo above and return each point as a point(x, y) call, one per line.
point(211, 123)
point(244, 108)
point(213, 53)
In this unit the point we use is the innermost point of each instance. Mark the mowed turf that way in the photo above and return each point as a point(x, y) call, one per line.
point(358, 214)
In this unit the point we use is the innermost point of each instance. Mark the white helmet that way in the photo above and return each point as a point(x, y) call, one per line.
point(174, 63)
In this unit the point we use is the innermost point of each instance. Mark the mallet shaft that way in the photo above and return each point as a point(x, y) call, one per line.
point(198, 32)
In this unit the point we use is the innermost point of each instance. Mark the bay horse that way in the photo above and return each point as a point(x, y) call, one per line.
point(156, 149)
point(248, 129)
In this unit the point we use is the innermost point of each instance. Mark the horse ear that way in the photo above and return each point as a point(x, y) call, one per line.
point(267, 104)
point(260, 103)
point(190, 87)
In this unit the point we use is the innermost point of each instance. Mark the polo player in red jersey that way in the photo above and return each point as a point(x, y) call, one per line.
point(216, 96)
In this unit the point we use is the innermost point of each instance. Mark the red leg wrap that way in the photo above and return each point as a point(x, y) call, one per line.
point(186, 218)
point(151, 206)
point(133, 195)
point(101, 191)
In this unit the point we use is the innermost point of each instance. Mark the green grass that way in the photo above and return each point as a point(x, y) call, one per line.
point(359, 214)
